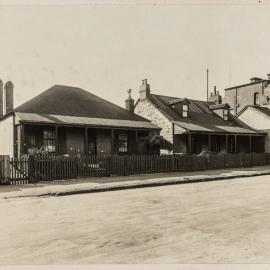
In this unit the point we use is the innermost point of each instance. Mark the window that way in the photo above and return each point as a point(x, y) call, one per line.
point(123, 144)
point(225, 114)
point(31, 141)
point(185, 110)
point(49, 140)
point(256, 98)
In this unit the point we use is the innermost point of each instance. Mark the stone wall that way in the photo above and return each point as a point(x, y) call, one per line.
point(147, 110)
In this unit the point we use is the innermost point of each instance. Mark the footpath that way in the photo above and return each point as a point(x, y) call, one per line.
point(91, 185)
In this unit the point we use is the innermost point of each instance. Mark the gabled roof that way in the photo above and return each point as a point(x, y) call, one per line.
point(263, 110)
point(200, 117)
point(74, 106)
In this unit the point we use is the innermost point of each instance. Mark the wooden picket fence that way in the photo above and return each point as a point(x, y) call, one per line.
point(4, 169)
point(52, 168)
point(35, 169)
point(19, 171)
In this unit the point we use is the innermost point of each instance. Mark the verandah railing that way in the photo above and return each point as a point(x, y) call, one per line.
point(47, 168)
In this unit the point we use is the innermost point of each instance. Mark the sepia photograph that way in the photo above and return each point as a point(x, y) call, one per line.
point(134, 133)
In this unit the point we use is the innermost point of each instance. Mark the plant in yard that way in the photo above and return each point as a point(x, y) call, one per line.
point(38, 151)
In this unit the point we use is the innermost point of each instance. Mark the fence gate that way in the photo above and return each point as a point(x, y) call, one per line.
point(19, 171)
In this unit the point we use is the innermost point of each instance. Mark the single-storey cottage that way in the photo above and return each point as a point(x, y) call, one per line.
point(69, 120)
point(193, 126)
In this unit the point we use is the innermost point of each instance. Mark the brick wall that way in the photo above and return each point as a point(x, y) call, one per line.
point(147, 110)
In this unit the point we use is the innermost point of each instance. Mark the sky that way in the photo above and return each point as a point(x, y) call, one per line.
point(108, 47)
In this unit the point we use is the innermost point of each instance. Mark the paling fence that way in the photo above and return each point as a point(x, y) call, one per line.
point(4, 169)
point(47, 168)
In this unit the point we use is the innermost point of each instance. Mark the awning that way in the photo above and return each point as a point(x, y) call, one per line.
point(207, 128)
point(82, 121)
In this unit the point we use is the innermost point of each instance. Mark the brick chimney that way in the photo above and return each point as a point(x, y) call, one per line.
point(144, 90)
point(1, 99)
point(130, 102)
point(215, 96)
point(8, 94)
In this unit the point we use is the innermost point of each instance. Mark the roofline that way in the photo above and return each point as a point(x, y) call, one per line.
point(219, 106)
point(229, 133)
point(81, 125)
point(189, 99)
point(5, 116)
point(244, 109)
point(246, 84)
point(243, 123)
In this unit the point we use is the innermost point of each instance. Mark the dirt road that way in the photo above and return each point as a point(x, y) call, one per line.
point(213, 222)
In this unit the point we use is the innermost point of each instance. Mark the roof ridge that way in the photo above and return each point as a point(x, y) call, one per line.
point(182, 98)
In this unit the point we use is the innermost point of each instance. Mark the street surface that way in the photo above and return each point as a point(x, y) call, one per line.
point(212, 222)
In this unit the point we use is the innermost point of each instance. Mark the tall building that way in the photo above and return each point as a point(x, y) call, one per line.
point(254, 93)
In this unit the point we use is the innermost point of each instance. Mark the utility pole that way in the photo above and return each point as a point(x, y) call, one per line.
point(207, 83)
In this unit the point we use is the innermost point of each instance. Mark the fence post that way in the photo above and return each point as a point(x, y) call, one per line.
point(5, 169)
point(31, 169)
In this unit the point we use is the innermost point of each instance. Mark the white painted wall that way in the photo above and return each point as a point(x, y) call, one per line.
point(258, 120)
point(6, 136)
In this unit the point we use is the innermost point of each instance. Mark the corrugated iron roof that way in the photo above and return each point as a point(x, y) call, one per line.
point(200, 117)
point(262, 109)
point(81, 121)
point(219, 106)
point(74, 101)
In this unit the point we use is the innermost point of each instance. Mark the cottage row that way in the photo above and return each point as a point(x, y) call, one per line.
point(66, 120)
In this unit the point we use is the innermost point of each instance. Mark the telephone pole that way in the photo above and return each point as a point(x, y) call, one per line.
point(207, 83)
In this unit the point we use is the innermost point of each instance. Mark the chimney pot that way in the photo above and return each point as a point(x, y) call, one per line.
point(8, 93)
point(130, 102)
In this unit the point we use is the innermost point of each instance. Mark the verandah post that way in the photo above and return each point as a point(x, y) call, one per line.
point(56, 141)
point(250, 145)
point(209, 142)
point(227, 143)
point(190, 143)
point(235, 143)
point(86, 141)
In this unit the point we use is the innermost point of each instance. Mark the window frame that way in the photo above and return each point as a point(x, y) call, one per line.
point(185, 109)
point(256, 99)
point(123, 143)
point(226, 115)
point(49, 140)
